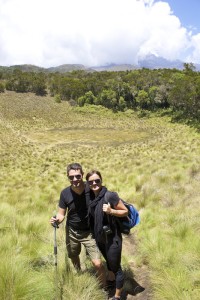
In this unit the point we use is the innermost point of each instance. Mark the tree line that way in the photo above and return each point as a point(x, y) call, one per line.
point(136, 89)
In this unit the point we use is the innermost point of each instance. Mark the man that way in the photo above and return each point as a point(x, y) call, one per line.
point(73, 201)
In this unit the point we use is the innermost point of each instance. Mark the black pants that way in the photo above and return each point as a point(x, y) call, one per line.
point(111, 251)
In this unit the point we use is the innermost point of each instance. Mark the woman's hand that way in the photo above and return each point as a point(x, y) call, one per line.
point(107, 208)
point(119, 210)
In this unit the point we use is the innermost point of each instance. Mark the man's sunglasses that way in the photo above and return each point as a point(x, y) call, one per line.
point(95, 181)
point(78, 176)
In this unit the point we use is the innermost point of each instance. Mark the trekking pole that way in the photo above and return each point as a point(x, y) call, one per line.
point(55, 225)
point(55, 247)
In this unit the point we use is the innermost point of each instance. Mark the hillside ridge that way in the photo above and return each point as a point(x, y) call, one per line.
point(150, 61)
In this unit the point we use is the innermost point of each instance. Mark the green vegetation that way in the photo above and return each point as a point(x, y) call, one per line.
point(143, 89)
point(150, 161)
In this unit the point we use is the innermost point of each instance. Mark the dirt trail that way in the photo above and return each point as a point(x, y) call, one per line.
point(137, 285)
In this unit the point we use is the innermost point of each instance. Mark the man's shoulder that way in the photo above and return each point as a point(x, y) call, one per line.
point(86, 188)
point(66, 194)
point(66, 190)
point(69, 193)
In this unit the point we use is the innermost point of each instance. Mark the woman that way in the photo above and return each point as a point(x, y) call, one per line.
point(103, 206)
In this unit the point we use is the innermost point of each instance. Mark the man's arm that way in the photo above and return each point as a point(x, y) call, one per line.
point(61, 214)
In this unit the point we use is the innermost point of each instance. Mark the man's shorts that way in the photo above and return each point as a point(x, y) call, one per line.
point(76, 238)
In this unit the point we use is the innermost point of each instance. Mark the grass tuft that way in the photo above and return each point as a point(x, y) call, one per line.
point(150, 162)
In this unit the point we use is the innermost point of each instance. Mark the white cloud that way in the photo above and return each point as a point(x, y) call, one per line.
point(91, 32)
point(194, 55)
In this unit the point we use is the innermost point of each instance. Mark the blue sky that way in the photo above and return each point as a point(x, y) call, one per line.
point(188, 12)
point(50, 33)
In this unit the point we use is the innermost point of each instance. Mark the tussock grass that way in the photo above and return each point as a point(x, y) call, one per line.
point(84, 285)
point(19, 281)
point(150, 162)
point(176, 286)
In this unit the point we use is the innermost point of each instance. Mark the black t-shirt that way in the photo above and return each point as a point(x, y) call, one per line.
point(77, 216)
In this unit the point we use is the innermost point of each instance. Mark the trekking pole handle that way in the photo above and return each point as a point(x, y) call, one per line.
point(55, 224)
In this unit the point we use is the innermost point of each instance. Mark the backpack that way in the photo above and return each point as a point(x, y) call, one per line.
point(126, 223)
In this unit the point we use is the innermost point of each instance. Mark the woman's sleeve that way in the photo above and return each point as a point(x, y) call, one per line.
point(113, 199)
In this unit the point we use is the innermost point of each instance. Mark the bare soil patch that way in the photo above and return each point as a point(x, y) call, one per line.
point(137, 283)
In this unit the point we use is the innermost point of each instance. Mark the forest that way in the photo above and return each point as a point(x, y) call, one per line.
point(141, 89)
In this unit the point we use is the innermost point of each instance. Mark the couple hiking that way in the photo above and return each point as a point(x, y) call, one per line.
point(90, 223)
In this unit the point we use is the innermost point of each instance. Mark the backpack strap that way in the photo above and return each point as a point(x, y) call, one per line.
point(87, 194)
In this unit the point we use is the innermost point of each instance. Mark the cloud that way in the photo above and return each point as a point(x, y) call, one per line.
point(91, 32)
point(195, 46)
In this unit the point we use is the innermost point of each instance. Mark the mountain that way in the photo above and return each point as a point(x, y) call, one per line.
point(31, 68)
point(66, 68)
point(151, 61)
point(115, 67)
point(24, 68)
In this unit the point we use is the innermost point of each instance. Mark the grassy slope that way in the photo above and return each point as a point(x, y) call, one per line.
point(150, 162)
